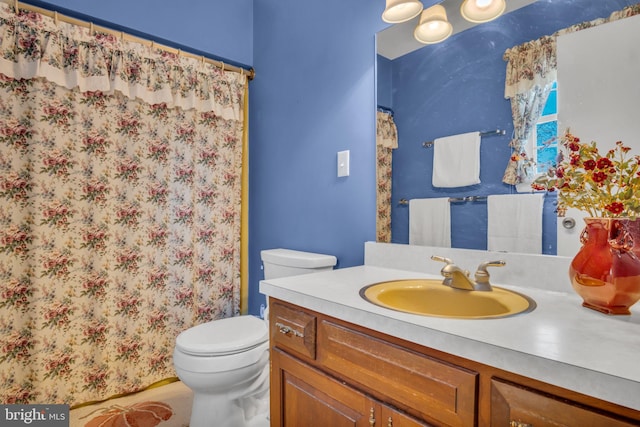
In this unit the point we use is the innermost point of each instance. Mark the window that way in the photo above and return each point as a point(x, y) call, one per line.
point(544, 136)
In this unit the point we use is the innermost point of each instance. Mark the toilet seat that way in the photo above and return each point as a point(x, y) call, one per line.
point(223, 337)
point(221, 363)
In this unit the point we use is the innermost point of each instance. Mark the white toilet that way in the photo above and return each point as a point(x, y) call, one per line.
point(226, 362)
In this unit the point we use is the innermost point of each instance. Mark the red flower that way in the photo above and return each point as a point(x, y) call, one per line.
point(615, 208)
point(590, 165)
point(560, 172)
point(622, 147)
point(604, 163)
point(599, 176)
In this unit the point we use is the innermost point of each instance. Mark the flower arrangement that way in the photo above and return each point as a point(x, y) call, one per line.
point(603, 186)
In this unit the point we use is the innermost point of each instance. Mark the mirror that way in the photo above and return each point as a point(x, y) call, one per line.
point(457, 86)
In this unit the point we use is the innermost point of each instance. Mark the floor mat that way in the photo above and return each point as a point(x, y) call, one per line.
point(166, 406)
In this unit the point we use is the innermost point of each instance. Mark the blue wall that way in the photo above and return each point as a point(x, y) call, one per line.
point(458, 86)
point(313, 95)
point(384, 81)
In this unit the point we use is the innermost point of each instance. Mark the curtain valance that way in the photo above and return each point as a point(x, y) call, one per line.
point(34, 45)
point(529, 65)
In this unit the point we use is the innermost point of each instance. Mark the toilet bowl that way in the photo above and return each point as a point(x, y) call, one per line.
point(226, 362)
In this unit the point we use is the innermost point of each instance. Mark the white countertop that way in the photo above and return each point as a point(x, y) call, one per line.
point(560, 342)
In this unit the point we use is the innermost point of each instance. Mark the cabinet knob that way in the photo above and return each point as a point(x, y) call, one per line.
point(286, 330)
point(372, 417)
point(513, 423)
point(390, 422)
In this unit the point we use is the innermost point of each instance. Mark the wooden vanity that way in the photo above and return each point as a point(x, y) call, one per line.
point(331, 373)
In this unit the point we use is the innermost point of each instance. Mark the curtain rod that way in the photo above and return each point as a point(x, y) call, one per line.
point(385, 109)
point(128, 34)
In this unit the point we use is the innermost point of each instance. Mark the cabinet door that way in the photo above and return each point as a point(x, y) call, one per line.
point(304, 396)
point(516, 406)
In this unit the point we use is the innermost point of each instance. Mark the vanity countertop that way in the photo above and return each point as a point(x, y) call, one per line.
point(560, 342)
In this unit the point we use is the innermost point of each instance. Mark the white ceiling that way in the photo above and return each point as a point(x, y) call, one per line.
point(397, 40)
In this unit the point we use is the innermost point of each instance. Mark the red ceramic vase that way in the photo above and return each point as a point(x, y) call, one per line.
point(606, 270)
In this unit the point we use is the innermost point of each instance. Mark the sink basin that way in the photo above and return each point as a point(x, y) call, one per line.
point(430, 297)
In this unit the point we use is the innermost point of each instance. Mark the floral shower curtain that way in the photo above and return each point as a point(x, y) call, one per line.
point(531, 71)
point(386, 142)
point(120, 184)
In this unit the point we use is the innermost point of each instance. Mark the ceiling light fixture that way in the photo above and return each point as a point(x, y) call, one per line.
point(401, 10)
point(433, 26)
point(480, 11)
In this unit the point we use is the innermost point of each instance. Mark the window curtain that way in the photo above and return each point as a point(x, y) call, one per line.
point(531, 71)
point(386, 142)
point(120, 191)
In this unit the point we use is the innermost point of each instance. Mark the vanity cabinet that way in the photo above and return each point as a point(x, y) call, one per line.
point(326, 372)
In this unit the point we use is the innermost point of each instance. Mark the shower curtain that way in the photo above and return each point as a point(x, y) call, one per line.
point(386, 142)
point(120, 186)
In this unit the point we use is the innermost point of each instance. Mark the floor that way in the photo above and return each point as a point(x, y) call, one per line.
point(171, 403)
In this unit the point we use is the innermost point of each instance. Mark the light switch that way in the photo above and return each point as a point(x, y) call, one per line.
point(343, 163)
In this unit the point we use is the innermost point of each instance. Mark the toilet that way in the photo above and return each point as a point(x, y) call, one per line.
point(226, 362)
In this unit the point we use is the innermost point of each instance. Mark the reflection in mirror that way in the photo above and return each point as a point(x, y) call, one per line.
point(457, 87)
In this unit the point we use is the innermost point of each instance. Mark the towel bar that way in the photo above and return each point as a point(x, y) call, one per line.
point(429, 144)
point(405, 202)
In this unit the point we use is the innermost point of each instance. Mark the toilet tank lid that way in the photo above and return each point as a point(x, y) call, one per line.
point(300, 259)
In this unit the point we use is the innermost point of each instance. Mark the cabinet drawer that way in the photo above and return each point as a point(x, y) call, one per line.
point(434, 389)
point(514, 405)
point(293, 330)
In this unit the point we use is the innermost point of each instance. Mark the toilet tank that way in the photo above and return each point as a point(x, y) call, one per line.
point(287, 262)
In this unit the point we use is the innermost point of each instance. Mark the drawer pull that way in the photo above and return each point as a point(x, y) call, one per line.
point(390, 422)
point(372, 418)
point(284, 329)
point(513, 423)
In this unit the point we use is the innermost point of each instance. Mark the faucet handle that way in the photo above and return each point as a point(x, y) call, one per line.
point(448, 270)
point(482, 275)
point(441, 259)
point(483, 265)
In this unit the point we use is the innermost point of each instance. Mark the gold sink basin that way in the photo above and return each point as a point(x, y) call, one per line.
point(430, 297)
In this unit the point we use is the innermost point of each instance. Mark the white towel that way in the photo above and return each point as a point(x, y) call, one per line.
point(515, 223)
point(430, 222)
point(456, 160)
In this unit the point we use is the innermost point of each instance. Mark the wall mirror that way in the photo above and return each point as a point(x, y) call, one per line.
point(457, 86)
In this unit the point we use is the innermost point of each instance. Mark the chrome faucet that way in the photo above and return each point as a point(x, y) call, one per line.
point(457, 278)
